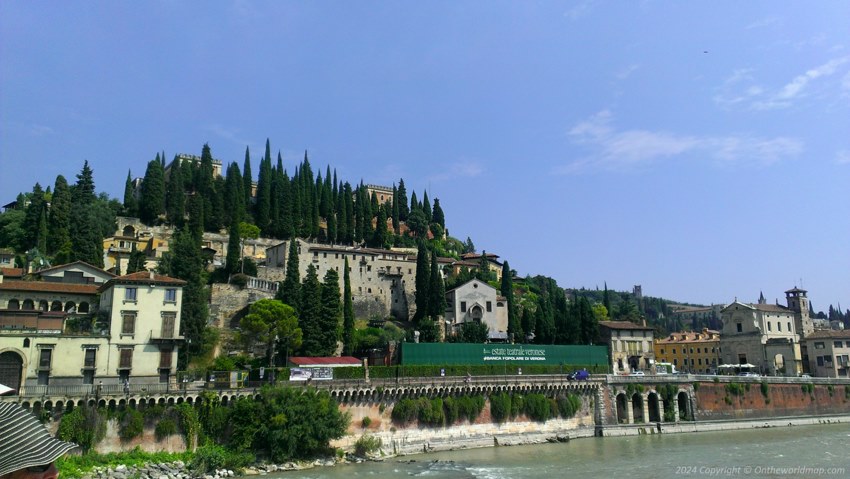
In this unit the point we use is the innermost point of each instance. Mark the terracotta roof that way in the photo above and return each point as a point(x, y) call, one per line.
point(771, 308)
point(143, 277)
point(48, 287)
point(829, 334)
point(12, 272)
point(326, 361)
point(623, 325)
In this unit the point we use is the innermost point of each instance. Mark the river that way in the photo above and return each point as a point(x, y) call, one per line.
point(799, 451)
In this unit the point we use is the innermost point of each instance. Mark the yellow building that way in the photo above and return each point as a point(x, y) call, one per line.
point(689, 351)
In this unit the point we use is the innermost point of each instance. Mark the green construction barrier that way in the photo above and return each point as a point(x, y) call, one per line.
point(414, 354)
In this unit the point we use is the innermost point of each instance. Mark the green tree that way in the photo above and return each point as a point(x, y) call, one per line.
point(436, 291)
point(606, 299)
point(59, 235)
point(417, 223)
point(152, 202)
point(247, 181)
point(310, 311)
point(473, 332)
point(289, 291)
point(175, 195)
point(137, 261)
point(423, 282)
point(234, 250)
point(437, 215)
point(186, 263)
point(83, 191)
point(401, 199)
point(507, 290)
point(269, 321)
point(264, 191)
point(379, 237)
point(347, 313)
point(131, 205)
point(331, 312)
point(34, 211)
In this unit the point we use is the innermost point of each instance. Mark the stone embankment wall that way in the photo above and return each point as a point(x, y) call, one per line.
point(715, 401)
point(483, 432)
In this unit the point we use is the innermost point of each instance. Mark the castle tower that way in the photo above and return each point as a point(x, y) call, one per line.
point(799, 303)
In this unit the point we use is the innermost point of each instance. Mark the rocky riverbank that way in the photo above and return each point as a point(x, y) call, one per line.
point(181, 470)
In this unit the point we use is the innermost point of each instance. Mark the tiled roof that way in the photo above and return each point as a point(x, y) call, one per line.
point(143, 277)
point(623, 325)
point(12, 272)
point(326, 361)
point(48, 287)
point(68, 265)
point(771, 308)
point(830, 334)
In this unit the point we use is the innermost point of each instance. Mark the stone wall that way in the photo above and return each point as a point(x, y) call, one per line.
point(713, 401)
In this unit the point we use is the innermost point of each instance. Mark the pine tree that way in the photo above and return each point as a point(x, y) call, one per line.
point(131, 205)
point(426, 207)
point(289, 290)
point(309, 315)
point(437, 216)
point(423, 282)
point(152, 202)
point(83, 191)
point(347, 313)
point(331, 312)
point(60, 216)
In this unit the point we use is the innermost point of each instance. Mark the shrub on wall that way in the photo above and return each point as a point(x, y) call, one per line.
point(500, 407)
point(131, 423)
point(366, 445)
point(569, 405)
point(83, 425)
point(165, 428)
point(404, 411)
point(537, 407)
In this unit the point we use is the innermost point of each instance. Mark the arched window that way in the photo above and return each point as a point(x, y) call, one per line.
point(26, 342)
point(56, 306)
point(84, 307)
point(42, 306)
point(129, 231)
point(70, 307)
point(14, 304)
point(28, 305)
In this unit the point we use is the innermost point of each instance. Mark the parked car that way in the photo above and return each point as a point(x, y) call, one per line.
point(806, 376)
point(637, 373)
point(580, 375)
point(749, 375)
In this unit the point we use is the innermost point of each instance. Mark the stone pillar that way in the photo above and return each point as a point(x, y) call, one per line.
point(645, 408)
point(676, 408)
point(630, 413)
point(660, 409)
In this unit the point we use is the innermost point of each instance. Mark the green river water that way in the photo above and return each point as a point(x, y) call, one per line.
point(799, 451)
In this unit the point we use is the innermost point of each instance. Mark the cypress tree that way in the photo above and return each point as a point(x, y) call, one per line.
point(589, 328)
point(131, 205)
point(426, 206)
point(276, 195)
point(195, 209)
point(264, 191)
point(83, 190)
point(86, 236)
point(423, 282)
point(507, 290)
point(403, 208)
point(287, 210)
point(331, 312)
point(289, 291)
point(606, 299)
point(60, 216)
point(136, 262)
point(396, 212)
point(309, 315)
point(234, 249)
point(248, 182)
point(347, 313)
point(348, 201)
point(436, 291)
point(187, 264)
point(528, 322)
point(234, 198)
point(379, 237)
point(414, 204)
point(207, 189)
point(32, 216)
point(41, 238)
point(152, 203)
point(175, 195)
point(437, 216)
point(343, 234)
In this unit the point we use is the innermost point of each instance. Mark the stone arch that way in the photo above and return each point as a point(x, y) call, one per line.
point(43, 305)
point(637, 407)
point(70, 307)
point(12, 369)
point(84, 307)
point(56, 305)
point(476, 313)
point(14, 304)
point(129, 231)
point(779, 364)
point(28, 305)
point(684, 405)
point(654, 410)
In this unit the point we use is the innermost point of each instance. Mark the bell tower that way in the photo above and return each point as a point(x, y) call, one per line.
point(798, 302)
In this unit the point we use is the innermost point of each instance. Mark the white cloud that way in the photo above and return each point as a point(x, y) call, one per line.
point(797, 86)
point(462, 168)
point(615, 149)
point(765, 22)
point(579, 10)
point(40, 130)
point(843, 157)
point(739, 88)
point(627, 72)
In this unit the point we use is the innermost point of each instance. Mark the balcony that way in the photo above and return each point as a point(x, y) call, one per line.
point(164, 336)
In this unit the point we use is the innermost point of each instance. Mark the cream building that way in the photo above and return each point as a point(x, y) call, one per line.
point(131, 333)
point(477, 301)
point(829, 353)
point(630, 346)
point(765, 335)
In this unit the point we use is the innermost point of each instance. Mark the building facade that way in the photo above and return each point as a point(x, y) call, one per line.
point(690, 351)
point(477, 301)
point(630, 346)
point(763, 335)
point(829, 353)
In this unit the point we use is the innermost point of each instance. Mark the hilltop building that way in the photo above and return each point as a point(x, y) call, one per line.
point(383, 193)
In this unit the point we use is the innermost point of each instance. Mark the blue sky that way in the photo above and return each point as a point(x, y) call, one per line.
point(700, 149)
